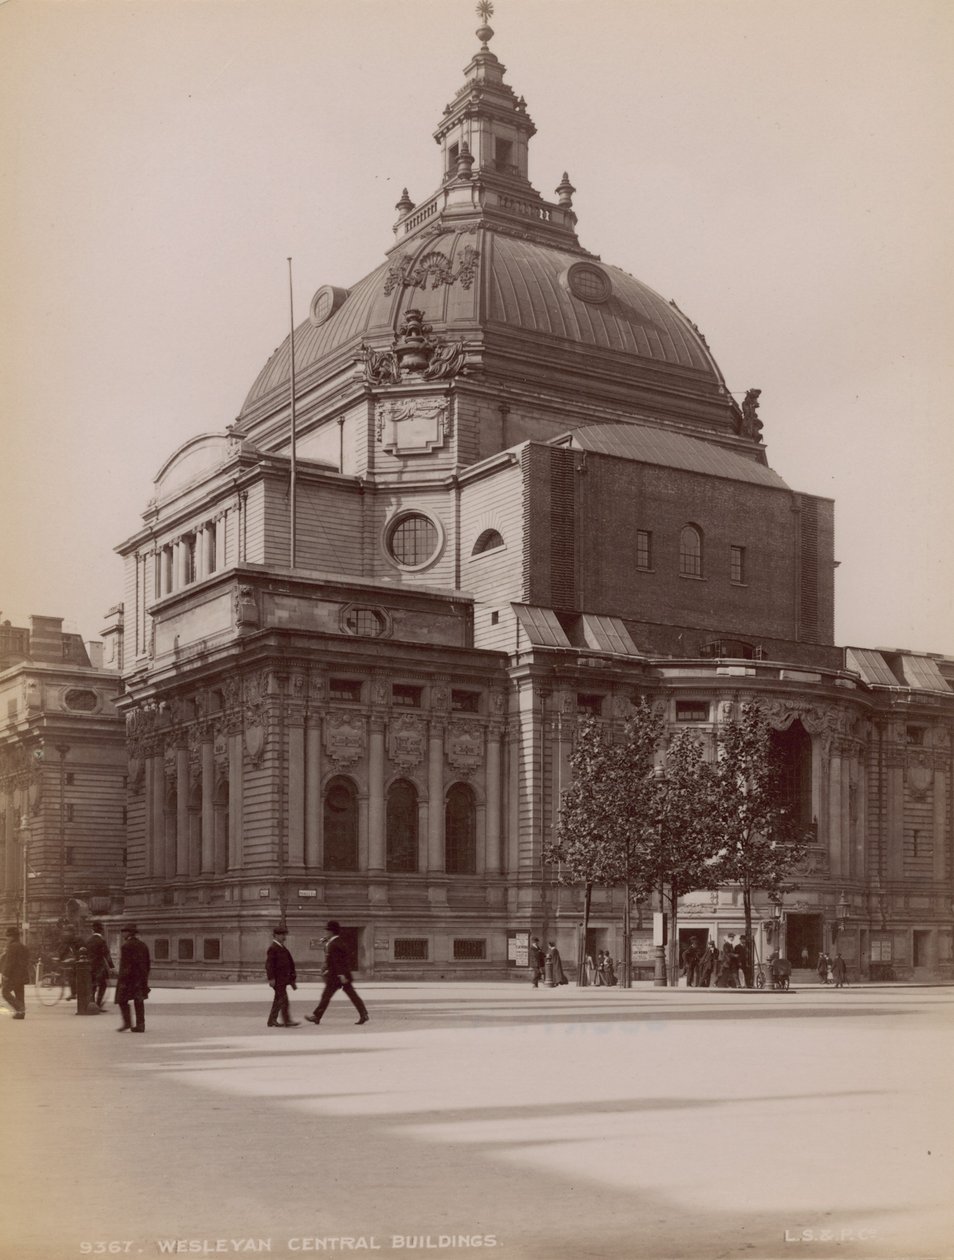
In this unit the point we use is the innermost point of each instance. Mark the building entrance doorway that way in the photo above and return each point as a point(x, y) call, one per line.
point(804, 939)
point(921, 949)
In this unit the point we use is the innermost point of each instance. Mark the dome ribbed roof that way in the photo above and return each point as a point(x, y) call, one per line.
point(518, 285)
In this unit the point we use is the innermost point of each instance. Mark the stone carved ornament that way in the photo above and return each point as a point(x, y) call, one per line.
point(464, 746)
point(344, 739)
point(919, 774)
point(406, 740)
point(256, 715)
point(416, 425)
point(414, 355)
point(433, 268)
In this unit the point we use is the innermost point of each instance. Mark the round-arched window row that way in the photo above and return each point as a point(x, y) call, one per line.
point(340, 818)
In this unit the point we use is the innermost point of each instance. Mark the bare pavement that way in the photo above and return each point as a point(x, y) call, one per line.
point(488, 1120)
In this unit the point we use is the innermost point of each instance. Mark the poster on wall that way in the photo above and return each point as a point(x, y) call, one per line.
point(518, 948)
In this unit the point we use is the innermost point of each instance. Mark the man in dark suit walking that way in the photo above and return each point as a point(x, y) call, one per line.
point(100, 962)
point(132, 983)
point(280, 970)
point(15, 969)
point(337, 975)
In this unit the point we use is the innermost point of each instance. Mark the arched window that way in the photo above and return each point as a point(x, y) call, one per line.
point(460, 831)
point(402, 827)
point(487, 541)
point(793, 752)
point(341, 825)
point(690, 551)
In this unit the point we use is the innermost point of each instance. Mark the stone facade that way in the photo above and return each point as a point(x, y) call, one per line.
point(522, 492)
point(63, 767)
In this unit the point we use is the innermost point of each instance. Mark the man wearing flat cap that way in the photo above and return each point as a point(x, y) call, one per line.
point(280, 970)
point(132, 983)
point(337, 975)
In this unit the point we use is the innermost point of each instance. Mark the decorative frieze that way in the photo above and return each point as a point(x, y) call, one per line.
point(345, 739)
point(433, 268)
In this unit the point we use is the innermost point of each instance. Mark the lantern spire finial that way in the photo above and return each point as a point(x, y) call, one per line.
point(485, 11)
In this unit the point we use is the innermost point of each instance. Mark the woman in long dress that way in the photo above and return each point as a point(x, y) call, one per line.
point(554, 966)
point(590, 969)
point(609, 971)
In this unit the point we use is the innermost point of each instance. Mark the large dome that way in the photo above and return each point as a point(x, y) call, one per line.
point(567, 302)
point(492, 265)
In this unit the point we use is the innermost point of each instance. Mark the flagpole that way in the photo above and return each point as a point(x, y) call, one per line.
point(294, 471)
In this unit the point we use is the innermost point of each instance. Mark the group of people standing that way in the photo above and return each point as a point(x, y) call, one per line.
point(545, 965)
point(602, 970)
point(132, 982)
point(716, 968)
point(832, 970)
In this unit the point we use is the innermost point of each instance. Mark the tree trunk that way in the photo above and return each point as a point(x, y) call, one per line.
point(627, 942)
point(581, 961)
point(747, 904)
point(673, 936)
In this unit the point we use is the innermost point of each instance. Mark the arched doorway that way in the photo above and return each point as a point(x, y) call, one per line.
point(792, 750)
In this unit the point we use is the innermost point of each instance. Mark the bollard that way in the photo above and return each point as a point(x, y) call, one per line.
point(84, 996)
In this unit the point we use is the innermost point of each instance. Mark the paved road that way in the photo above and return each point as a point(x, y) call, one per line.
point(486, 1119)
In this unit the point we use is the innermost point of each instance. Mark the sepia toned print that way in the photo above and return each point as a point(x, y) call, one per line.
point(463, 629)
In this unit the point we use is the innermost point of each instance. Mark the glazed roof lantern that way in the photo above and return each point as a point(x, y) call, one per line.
point(487, 117)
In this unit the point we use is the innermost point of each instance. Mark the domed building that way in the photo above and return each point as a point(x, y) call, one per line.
point(495, 484)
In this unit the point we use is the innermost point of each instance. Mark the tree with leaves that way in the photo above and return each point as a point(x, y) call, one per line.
point(623, 823)
point(680, 850)
point(605, 812)
point(762, 842)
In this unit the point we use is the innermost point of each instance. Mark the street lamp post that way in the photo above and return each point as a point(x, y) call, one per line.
point(62, 749)
point(25, 877)
point(843, 914)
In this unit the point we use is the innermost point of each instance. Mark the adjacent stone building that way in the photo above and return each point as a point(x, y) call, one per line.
point(509, 486)
point(62, 780)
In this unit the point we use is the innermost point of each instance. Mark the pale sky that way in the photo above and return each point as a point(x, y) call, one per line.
point(782, 170)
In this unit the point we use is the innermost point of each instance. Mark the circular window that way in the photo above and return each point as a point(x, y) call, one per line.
point(325, 302)
point(413, 540)
point(588, 283)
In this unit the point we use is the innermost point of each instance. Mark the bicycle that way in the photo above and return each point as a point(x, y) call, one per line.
point(52, 981)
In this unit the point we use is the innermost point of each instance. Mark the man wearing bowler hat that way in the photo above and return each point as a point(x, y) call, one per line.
point(280, 970)
point(15, 969)
point(132, 983)
point(337, 975)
